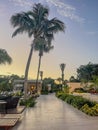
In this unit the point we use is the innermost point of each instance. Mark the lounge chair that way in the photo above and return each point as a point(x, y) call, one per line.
point(12, 103)
point(11, 116)
point(9, 120)
point(7, 123)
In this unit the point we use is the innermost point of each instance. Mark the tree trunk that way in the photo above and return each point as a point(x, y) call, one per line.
point(27, 70)
point(62, 79)
point(38, 72)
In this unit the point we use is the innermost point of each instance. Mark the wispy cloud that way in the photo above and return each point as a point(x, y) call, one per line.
point(63, 9)
point(91, 33)
point(22, 2)
point(66, 10)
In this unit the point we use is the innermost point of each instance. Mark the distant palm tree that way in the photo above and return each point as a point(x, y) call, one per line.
point(36, 23)
point(62, 66)
point(41, 75)
point(4, 57)
point(43, 47)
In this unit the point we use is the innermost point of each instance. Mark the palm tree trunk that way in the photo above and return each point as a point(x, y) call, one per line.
point(62, 79)
point(26, 71)
point(38, 72)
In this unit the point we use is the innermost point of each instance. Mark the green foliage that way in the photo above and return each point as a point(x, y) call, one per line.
point(85, 105)
point(66, 89)
point(4, 57)
point(28, 102)
point(73, 79)
point(19, 94)
point(79, 90)
point(6, 82)
point(93, 111)
point(86, 72)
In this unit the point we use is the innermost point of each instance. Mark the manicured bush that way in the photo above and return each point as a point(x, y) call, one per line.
point(93, 111)
point(83, 104)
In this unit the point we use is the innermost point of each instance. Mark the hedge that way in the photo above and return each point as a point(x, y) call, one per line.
point(83, 104)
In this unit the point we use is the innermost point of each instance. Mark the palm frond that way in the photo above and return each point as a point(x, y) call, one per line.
point(56, 25)
point(4, 57)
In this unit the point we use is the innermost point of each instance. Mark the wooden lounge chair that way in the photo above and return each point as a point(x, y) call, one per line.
point(9, 120)
point(7, 123)
point(11, 116)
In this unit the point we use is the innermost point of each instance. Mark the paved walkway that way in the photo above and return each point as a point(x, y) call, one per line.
point(51, 113)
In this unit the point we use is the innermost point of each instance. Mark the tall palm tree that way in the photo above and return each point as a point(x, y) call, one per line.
point(41, 75)
point(4, 57)
point(43, 47)
point(36, 24)
point(62, 66)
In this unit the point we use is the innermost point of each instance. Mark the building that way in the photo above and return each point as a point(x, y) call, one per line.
point(31, 88)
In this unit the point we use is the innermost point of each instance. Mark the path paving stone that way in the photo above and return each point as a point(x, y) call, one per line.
point(50, 113)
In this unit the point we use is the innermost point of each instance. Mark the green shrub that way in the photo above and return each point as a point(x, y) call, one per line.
point(69, 99)
point(93, 111)
point(83, 104)
point(28, 102)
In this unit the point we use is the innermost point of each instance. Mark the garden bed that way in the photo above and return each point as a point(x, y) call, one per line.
point(83, 104)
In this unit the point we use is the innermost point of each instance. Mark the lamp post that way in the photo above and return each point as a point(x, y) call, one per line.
point(62, 66)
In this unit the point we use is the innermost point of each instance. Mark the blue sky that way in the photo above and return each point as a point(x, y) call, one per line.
point(77, 46)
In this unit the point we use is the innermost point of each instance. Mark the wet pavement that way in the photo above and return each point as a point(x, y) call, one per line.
point(50, 113)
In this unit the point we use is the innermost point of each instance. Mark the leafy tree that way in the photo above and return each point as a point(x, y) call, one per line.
point(73, 79)
point(47, 81)
point(4, 57)
point(6, 82)
point(59, 80)
point(95, 83)
point(86, 72)
point(36, 24)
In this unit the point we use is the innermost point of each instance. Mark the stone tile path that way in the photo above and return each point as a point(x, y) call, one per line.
point(51, 113)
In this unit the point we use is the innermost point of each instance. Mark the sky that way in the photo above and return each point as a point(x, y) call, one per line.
point(77, 46)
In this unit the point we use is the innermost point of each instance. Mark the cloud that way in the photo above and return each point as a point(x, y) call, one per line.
point(91, 33)
point(66, 10)
point(22, 3)
point(63, 9)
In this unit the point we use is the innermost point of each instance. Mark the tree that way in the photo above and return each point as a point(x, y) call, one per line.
point(6, 82)
point(59, 80)
point(46, 82)
point(4, 57)
point(86, 72)
point(42, 47)
point(41, 75)
point(36, 23)
point(73, 79)
point(62, 66)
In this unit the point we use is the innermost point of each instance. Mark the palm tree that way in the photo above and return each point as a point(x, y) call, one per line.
point(62, 66)
point(42, 46)
point(41, 75)
point(36, 24)
point(4, 57)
